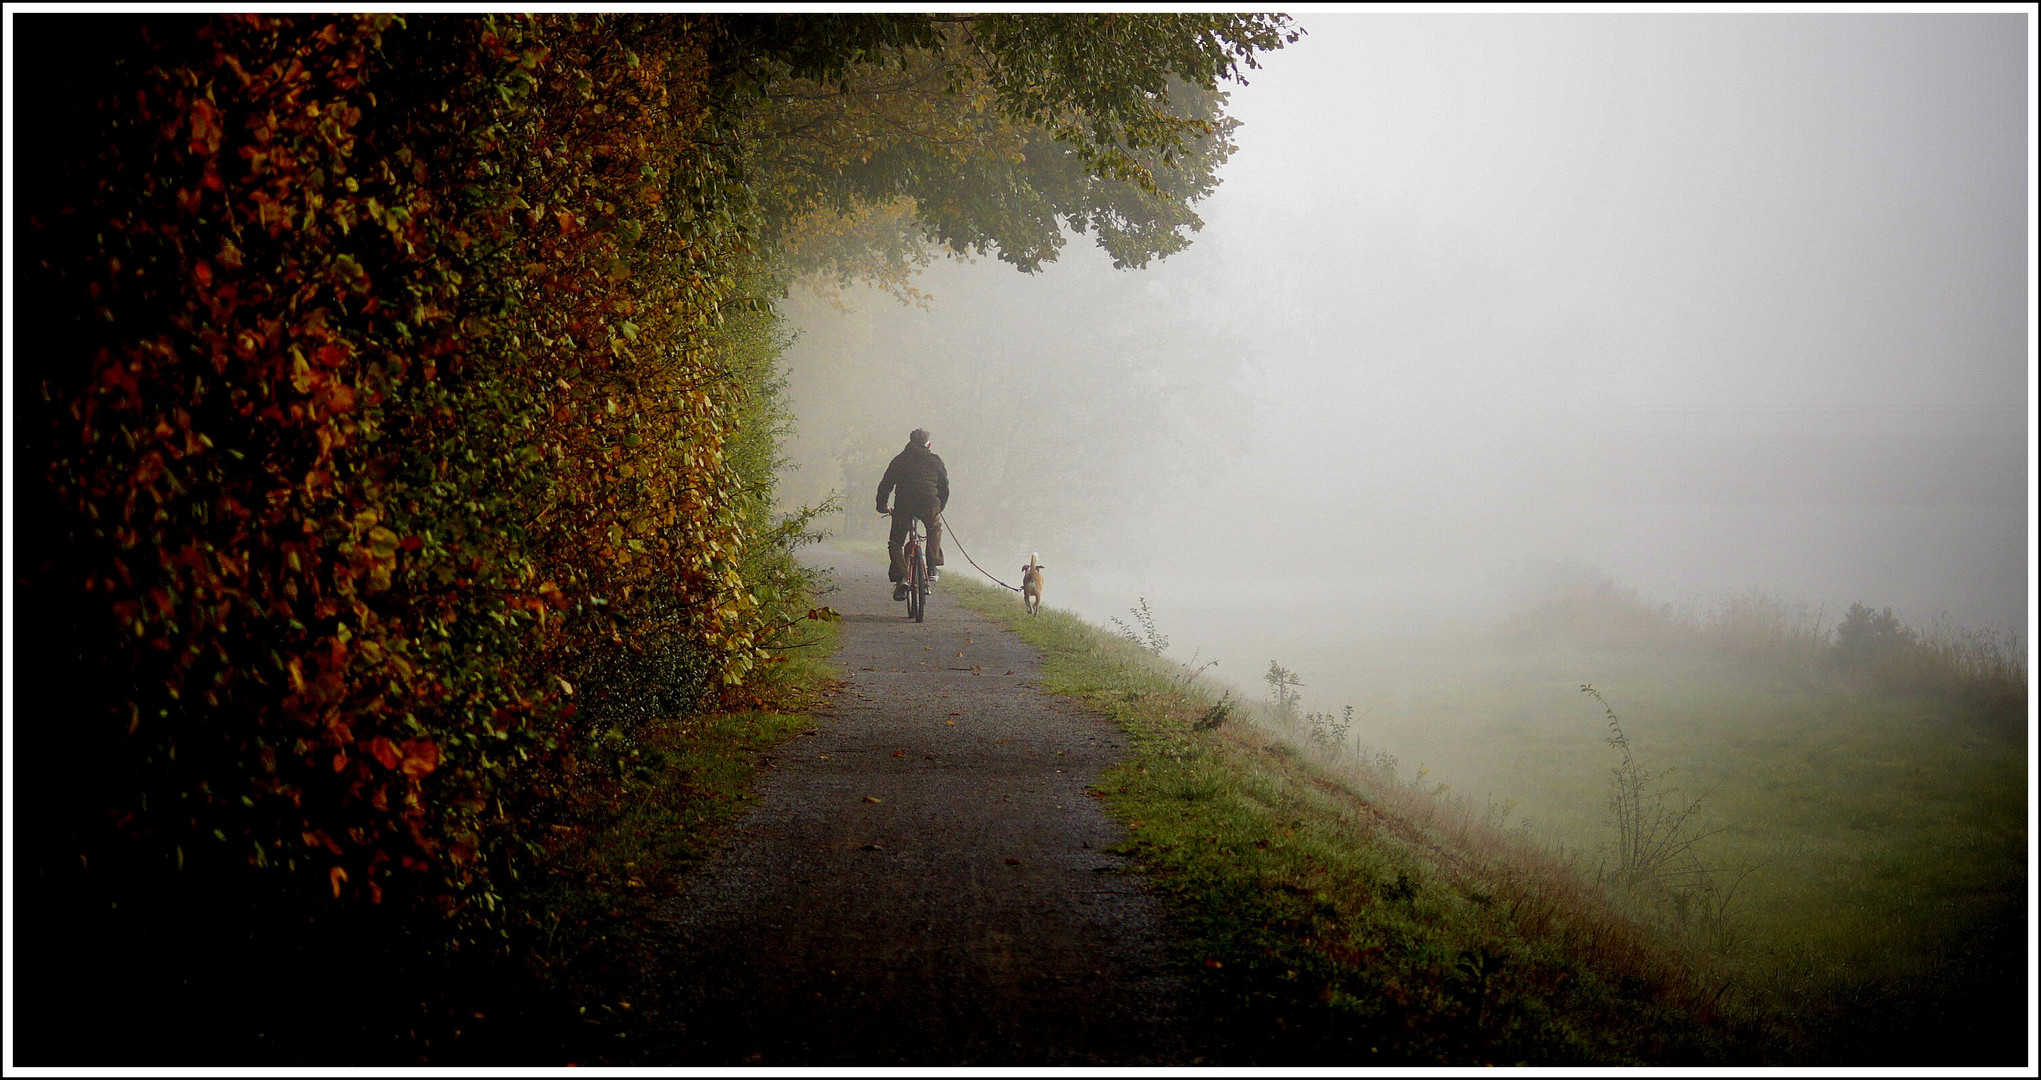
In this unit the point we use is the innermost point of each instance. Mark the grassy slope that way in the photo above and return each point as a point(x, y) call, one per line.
point(1882, 823)
point(1332, 927)
point(1883, 920)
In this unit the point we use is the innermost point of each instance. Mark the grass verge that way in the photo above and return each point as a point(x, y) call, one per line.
point(1328, 925)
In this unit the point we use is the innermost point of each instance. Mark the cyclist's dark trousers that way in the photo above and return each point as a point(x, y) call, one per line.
point(898, 570)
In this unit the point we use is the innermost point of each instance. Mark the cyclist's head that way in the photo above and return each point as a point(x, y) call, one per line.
point(919, 436)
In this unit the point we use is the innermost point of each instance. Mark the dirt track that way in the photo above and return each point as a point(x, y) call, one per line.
point(924, 880)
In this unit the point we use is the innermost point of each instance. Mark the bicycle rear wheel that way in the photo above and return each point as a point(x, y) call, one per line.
point(917, 587)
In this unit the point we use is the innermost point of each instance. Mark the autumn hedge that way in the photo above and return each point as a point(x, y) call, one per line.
point(398, 400)
point(387, 465)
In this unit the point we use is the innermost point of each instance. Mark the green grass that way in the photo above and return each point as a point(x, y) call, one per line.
point(1887, 831)
point(1325, 924)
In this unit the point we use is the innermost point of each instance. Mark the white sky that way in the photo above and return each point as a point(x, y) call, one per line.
point(1713, 301)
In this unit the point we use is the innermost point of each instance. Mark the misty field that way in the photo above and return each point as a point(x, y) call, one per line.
point(1859, 848)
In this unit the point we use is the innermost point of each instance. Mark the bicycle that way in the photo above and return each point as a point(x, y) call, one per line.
point(917, 571)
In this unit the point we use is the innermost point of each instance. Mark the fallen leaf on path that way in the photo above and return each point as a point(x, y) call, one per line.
point(899, 753)
point(873, 799)
point(951, 723)
point(871, 847)
point(1011, 861)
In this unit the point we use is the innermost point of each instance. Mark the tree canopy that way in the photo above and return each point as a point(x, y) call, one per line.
point(872, 142)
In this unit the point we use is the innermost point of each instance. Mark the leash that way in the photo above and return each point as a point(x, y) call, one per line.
point(967, 555)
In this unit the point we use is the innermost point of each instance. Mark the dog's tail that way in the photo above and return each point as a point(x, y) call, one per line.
point(1034, 558)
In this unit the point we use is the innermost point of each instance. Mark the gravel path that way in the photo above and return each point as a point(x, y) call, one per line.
point(925, 880)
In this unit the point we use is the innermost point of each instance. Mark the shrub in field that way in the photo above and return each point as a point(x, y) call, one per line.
point(1586, 605)
point(1146, 636)
point(1867, 639)
point(1285, 696)
point(1763, 628)
point(1980, 668)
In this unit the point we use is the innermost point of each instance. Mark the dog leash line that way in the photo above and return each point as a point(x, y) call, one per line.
point(967, 555)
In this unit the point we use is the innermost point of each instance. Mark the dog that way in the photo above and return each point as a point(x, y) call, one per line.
point(1031, 583)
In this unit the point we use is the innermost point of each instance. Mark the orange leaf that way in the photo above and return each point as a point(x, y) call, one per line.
point(421, 756)
point(385, 751)
point(336, 876)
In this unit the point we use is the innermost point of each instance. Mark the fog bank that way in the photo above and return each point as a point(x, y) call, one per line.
point(1705, 303)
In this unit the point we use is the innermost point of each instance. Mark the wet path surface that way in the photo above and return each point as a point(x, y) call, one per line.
point(924, 880)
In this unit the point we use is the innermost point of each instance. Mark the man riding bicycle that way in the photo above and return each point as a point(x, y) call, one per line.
point(924, 489)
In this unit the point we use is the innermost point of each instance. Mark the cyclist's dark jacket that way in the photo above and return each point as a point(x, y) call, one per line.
point(919, 474)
